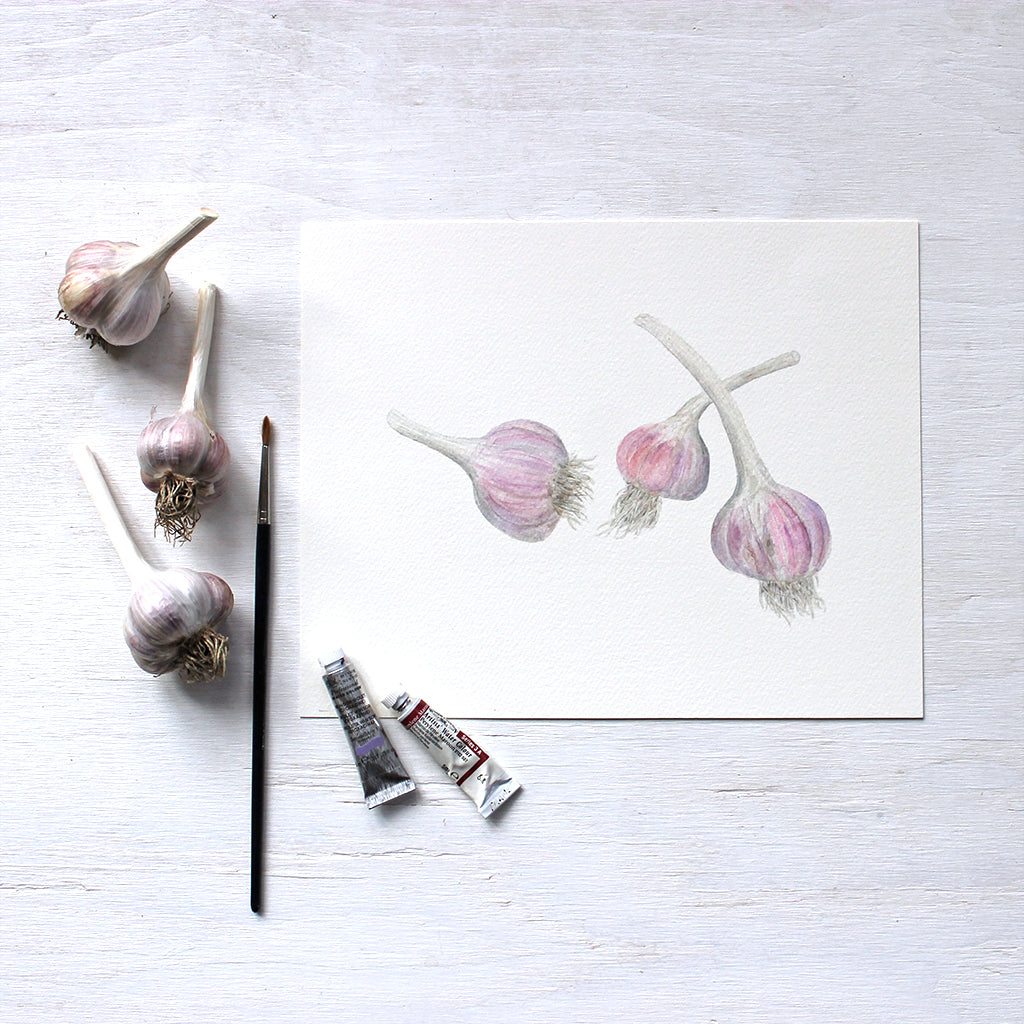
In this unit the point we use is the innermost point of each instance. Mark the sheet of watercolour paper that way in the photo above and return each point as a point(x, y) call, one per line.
point(464, 325)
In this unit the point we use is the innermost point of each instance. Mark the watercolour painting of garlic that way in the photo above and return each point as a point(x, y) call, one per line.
point(181, 457)
point(524, 479)
point(669, 459)
point(173, 615)
point(771, 533)
point(114, 292)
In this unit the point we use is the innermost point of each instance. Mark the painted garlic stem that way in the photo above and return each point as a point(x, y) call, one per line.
point(181, 457)
point(669, 459)
point(524, 479)
point(172, 617)
point(771, 533)
point(114, 292)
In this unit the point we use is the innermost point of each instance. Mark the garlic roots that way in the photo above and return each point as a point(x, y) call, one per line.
point(173, 615)
point(181, 457)
point(771, 533)
point(524, 479)
point(114, 292)
point(670, 459)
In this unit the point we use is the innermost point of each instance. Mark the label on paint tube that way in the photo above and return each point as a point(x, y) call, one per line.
point(479, 776)
point(381, 773)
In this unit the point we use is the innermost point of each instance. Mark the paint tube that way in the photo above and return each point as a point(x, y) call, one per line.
point(479, 776)
point(381, 772)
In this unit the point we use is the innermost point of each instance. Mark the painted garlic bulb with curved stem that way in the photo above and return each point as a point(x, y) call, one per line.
point(670, 459)
point(181, 457)
point(114, 292)
point(524, 479)
point(173, 614)
point(771, 533)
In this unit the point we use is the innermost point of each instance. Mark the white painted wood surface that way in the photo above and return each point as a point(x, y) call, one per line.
point(670, 871)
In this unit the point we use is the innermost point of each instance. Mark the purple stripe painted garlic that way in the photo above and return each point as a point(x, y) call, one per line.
point(771, 533)
point(181, 457)
point(524, 479)
point(669, 459)
point(173, 615)
point(114, 292)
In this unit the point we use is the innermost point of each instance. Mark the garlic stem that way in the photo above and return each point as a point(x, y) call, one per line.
point(695, 406)
point(749, 466)
point(192, 401)
point(458, 449)
point(135, 565)
point(150, 259)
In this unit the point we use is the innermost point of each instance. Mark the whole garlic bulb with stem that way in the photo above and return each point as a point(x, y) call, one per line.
point(670, 459)
point(771, 533)
point(524, 479)
point(114, 292)
point(181, 457)
point(173, 614)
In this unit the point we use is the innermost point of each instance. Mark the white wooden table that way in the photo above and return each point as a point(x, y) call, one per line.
point(778, 871)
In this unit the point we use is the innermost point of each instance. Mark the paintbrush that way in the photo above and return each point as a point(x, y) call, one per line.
point(259, 676)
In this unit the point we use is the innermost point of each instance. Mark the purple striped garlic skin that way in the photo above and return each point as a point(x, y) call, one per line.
point(771, 533)
point(115, 292)
point(775, 534)
point(171, 623)
point(660, 460)
point(670, 459)
point(524, 479)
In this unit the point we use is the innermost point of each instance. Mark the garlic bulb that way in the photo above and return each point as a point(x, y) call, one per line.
point(524, 479)
point(181, 457)
point(771, 533)
point(172, 617)
point(670, 459)
point(114, 292)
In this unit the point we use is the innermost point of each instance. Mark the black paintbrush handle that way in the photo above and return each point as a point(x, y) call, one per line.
point(259, 712)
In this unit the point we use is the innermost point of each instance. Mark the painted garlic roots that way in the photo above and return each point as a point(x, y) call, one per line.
point(669, 459)
point(172, 617)
point(524, 479)
point(114, 292)
point(181, 457)
point(771, 533)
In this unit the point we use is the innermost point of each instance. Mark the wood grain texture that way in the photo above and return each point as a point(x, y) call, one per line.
point(694, 871)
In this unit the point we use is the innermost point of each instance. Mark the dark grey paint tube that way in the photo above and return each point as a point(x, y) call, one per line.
point(381, 772)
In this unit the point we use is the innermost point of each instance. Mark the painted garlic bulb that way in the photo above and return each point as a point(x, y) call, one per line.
point(771, 533)
point(181, 457)
point(524, 479)
point(173, 615)
point(114, 292)
point(670, 459)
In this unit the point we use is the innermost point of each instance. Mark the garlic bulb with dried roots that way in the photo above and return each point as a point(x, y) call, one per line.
point(669, 459)
point(771, 533)
point(114, 292)
point(173, 614)
point(524, 479)
point(181, 457)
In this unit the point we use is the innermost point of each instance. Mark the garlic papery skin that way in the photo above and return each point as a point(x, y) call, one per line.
point(114, 292)
point(524, 480)
point(170, 624)
point(173, 614)
point(181, 457)
point(778, 536)
point(771, 533)
point(670, 459)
